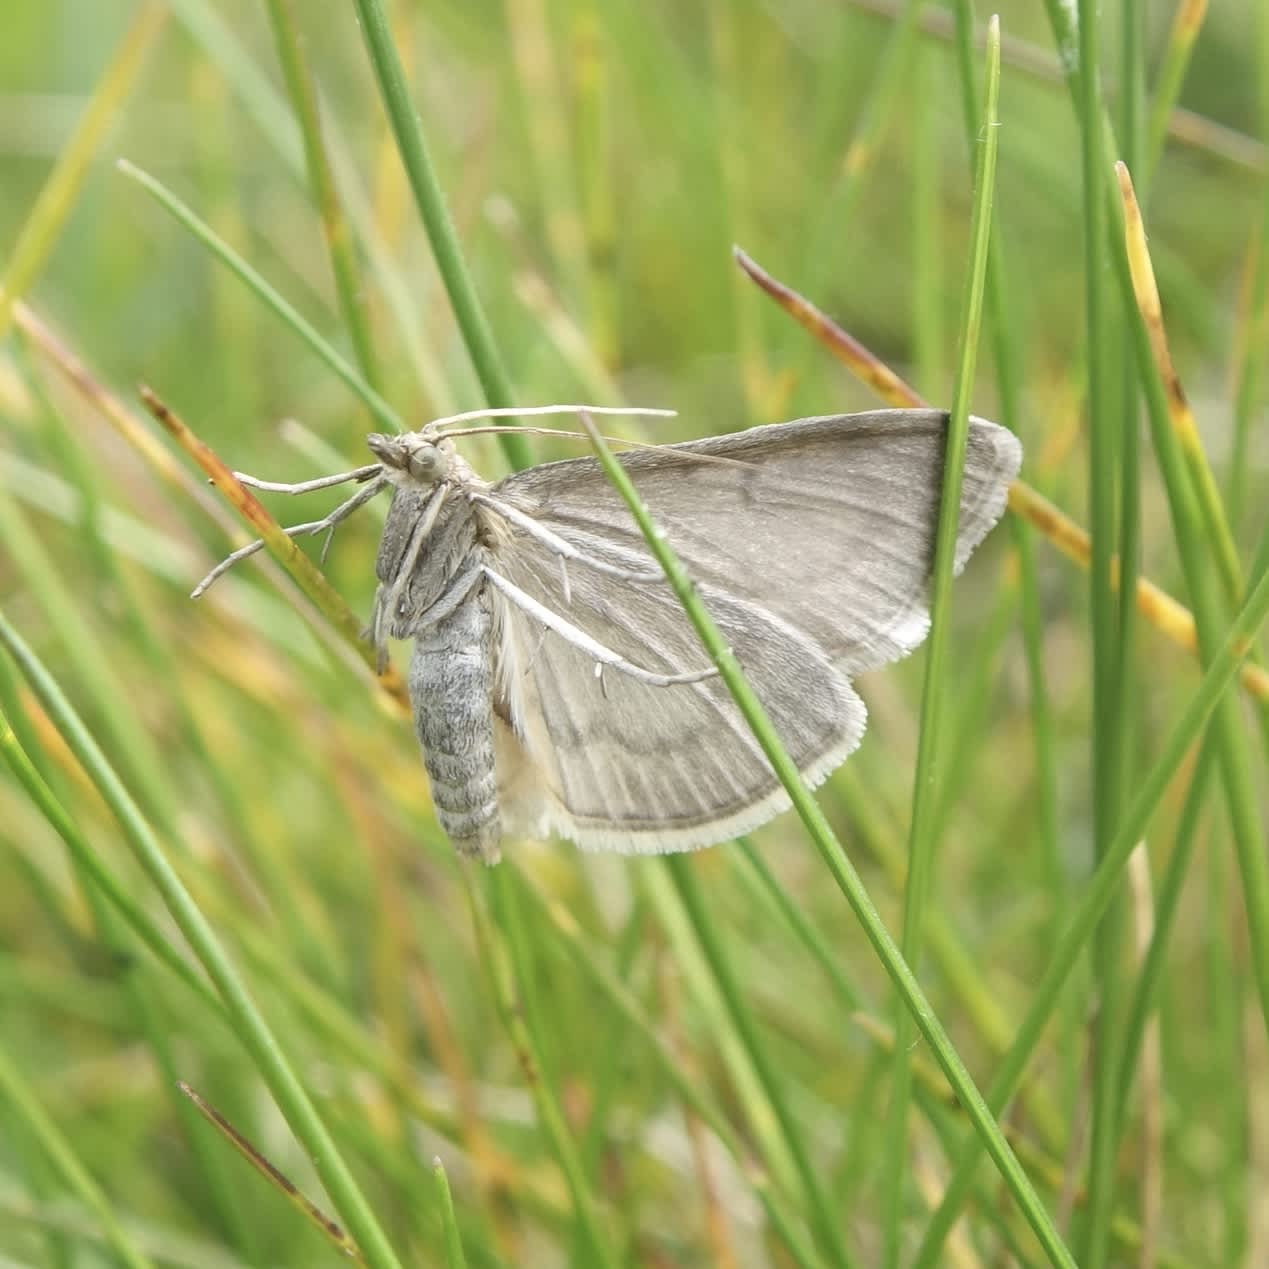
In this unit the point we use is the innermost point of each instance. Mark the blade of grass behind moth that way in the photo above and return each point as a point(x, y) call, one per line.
point(408, 130)
point(96, 676)
point(1256, 314)
point(1249, 346)
point(1114, 988)
point(539, 297)
point(303, 95)
point(503, 974)
point(61, 1155)
point(1105, 765)
point(1141, 1005)
point(838, 862)
point(547, 121)
point(593, 965)
point(309, 578)
point(757, 876)
point(454, 1255)
point(1091, 904)
point(822, 252)
point(1184, 426)
point(931, 755)
point(929, 327)
point(1159, 608)
point(730, 70)
point(249, 1025)
point(694, 968)
point(1235, 1110)
point(824, 1220)
point(89, 864)
point(1186, 23)
point(1112, 984)
point(1002, 331)
point(608, 1066)
point(1185, 504)
point(592, 107)
point(56, 200)
point(382, 412)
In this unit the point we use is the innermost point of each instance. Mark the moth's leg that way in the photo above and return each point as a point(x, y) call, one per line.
point(307, 486)
point(325, 525)
point(580, 639)
point(458, 590)
point(422, 531)
point(559, 546)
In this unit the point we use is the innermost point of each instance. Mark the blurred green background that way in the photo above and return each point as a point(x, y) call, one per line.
point(599, 159)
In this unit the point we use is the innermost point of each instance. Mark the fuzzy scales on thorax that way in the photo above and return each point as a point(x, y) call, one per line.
point(431, 590)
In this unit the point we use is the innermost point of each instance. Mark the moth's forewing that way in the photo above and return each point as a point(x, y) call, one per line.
point(812, 549)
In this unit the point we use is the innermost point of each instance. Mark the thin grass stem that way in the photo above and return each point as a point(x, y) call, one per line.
point(60, 1153)
point(927, 786)
point(56, 200)
point(348, 284)
point(383, 413)
point(408, 130)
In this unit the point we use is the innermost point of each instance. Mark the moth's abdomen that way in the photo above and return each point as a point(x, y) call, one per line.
point(451, 692)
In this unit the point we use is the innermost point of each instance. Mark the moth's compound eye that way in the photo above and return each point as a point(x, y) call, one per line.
point(426, 463)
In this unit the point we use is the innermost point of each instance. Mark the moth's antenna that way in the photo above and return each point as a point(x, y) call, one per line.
point(687, 456)
point(523, 411)
point(488, 429)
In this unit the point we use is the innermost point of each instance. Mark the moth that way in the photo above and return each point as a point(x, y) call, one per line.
point(556, 686)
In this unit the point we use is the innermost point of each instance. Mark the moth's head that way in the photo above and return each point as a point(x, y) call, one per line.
point(412, 457)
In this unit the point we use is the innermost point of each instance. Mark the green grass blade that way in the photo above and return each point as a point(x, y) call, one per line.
point(87, 859)
point(455, 1258)
point(503, 976)
point(57, 199)
point(1108, 735)
point(348, 283)
point(352, 378)
point(931, 756)
point(436, 219)
point(823, 1219)
point(58, 1150)
point(1186, 24)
